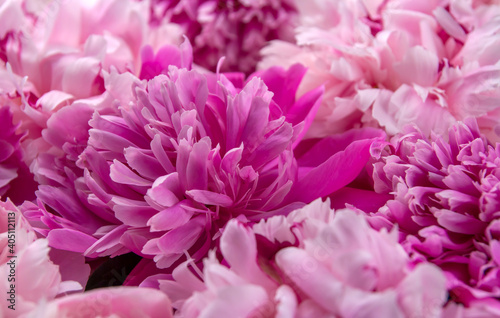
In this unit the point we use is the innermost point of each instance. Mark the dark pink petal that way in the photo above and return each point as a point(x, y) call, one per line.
point(70, 240)
point(459, 223)
point(170, 218)
point(333, 174)
point(210, 198)
point(181, 238)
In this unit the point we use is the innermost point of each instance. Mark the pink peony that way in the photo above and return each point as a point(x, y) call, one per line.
point(162, 178)
point(189, 155)
point(62, 197)
point(477, 309)
point(233, 29)
point(313, 263)
point(63, 46)
point(392, 63)
point(446, 203)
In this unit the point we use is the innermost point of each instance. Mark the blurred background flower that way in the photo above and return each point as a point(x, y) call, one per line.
point(234, 29)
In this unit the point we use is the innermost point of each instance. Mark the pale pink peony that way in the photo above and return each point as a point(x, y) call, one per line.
point(22, 251)
point(337, 266)
point(391, 63)
point(477, 309)
point(446, 203)
point(63, 45)
point(53, 54)
point(233, 29)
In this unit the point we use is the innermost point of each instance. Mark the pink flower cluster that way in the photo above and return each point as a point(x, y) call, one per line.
point(233, 29)
point(249, 158)
point(392, 63)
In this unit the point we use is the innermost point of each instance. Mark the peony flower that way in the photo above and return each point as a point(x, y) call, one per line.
point(446, 203)
point(236, 30)
point(190, 160)
point(481, 309)
point(16, 181)
point(63, 46)
point(392, 63)
point(21, 250)
point(163, 177)
point(313, 263)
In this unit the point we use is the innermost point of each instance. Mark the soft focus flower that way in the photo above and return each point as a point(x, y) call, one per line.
point(391, 63)
point(446, 204)
point(313, 263)
point(234, 29)
point(477, 309)
point(30, 286)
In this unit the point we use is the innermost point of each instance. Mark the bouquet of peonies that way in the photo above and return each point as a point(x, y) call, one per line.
point(250, 158)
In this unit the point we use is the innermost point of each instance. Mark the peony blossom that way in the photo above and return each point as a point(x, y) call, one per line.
point(189, 161)
point(313, 263)
point(163, 177)
point(446, 203)
point(61, 197)
point(392, 63)
point(63, 46)
point(236, 30)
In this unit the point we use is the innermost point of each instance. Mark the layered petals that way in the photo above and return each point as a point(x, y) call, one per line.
point(338, 266)
point(445, 203)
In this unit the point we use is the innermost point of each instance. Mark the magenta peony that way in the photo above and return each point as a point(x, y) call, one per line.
point(313, 263)
point(189, 155)
point(233, 29)
point(53, 54)
point(446, 204)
